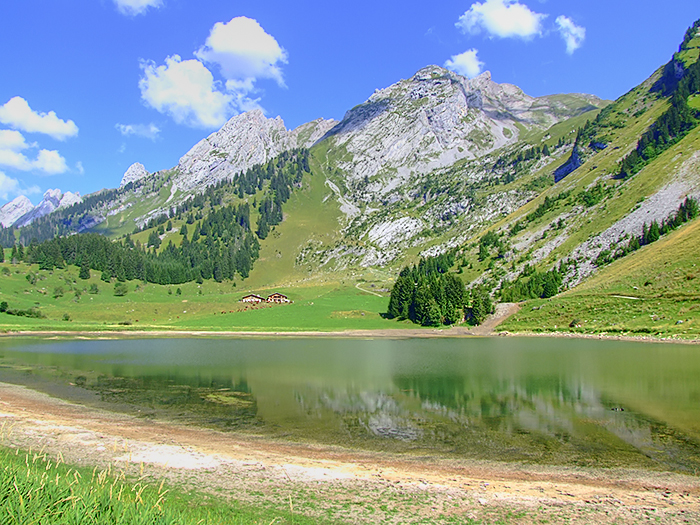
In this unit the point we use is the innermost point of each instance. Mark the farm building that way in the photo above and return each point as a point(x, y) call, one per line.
point(253, 298)
point(278, 298)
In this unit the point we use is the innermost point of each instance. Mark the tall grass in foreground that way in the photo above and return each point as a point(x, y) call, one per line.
point(36, 489)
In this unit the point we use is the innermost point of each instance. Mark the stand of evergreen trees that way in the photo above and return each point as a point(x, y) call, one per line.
point(531, 284)
point(430, 296)
point(225, 247)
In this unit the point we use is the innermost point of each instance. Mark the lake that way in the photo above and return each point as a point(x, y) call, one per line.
point(533, 400)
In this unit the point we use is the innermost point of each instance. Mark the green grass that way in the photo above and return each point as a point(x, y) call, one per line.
point(694, 102)
point(42, 490)
point(320, 305)
point(654, 291)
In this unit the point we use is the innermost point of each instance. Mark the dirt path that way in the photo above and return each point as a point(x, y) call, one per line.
point(503, 312)
point(353, 486)
point(367, 291)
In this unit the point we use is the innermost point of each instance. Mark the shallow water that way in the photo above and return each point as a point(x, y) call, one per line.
point(537, 400)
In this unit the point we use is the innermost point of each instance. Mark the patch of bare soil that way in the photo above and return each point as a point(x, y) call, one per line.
point(349, 485)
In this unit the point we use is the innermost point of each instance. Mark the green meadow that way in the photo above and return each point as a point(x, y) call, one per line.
point(69, 303)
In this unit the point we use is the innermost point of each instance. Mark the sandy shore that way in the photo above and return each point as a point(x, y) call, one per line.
point(352, 485)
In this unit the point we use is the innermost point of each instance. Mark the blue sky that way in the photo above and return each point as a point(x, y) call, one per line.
point(91, 86)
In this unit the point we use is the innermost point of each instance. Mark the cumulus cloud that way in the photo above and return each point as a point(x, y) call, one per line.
point(9, 187)
point(147, 131)
point(466, 64)
point(136, 7)
point(502, 18)
point(17, 114)
point(572, 34)
point(12, 140)
point(50, 162)
point(244, 52)
point(185, 90)
point(12, 145)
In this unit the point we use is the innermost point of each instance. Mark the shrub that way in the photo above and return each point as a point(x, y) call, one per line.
point(120, 289)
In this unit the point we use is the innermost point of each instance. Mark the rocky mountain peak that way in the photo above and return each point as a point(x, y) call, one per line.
point(244, 141)
point(436, 118)
point(14, 209)
point(53, 199)
point(136, 171)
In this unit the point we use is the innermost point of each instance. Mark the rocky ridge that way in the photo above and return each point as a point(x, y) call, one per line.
point(51, 201)
point(244, 141)
point(13, 210)
point(436, 118)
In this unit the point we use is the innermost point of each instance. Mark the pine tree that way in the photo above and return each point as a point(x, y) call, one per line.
point(84, 270)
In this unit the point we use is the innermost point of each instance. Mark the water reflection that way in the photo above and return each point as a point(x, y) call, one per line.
point(535, 400)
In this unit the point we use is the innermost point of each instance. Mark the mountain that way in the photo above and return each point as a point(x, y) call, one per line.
point(21, 212)
point(438, 117)
point(244, 141)
point(517, 189)
point(13, 210)
point(135, 173)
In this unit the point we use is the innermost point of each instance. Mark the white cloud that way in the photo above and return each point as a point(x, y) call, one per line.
point(16, 113)
point(148, 131)
point(502, 18)
point(244, 51)
point(136, 7)
point(9, 187)
point(79, 168)
point(50, 162)
point(12, 143)
point(186, 91)
point(572, 34)
point(466, 64)
point(14, 159)
point(12, 140)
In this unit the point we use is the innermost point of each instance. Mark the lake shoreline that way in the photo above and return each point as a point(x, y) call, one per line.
point(259, 469)
point(486, 329)
point(408, 333)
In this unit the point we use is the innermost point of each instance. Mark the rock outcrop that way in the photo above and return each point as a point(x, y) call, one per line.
point(244, 141)
point(52, 200)
point(135, 172)
point(15, 209)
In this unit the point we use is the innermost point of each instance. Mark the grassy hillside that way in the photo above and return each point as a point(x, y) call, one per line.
point(655, 291)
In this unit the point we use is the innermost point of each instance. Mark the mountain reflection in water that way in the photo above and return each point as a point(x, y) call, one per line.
point(549, 401)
